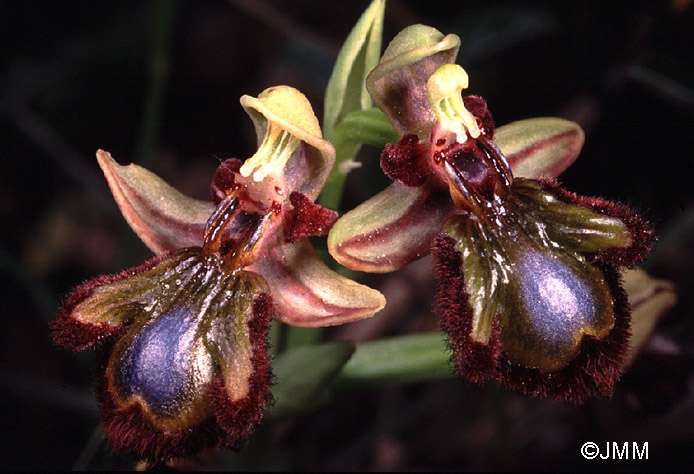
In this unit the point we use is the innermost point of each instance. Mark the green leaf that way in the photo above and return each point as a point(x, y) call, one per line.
point(297, 336)
point(411, 358)
point(346, 93)
point(346, 89)
point(304, 373)
point(369, 126)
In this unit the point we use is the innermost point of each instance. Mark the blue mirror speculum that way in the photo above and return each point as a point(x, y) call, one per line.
point(183, 364)
point(528, 290)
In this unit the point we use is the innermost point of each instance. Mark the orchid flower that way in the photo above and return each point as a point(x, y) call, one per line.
point(182, 339)
point(528, 286)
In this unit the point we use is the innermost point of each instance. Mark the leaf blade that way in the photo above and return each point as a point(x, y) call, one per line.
point(304, 373)
point(419, 357)
point(346, 90)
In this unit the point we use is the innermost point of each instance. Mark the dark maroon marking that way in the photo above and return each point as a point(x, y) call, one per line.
point(224, 179)
point(477, 106)
point(239, 418)
point(307, 218)
point(406, 161)
point(481, 170)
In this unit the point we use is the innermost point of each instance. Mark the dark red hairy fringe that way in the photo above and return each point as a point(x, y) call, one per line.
point(230, 423)
point(595, 369)
point(129, 432)
point(475, 360)
point(406, 161)
point(593, 372)
point(307, 218)
point(78, 335)
point(239, 418)
point(224, 179)
point(477, 106)
point(642, 233)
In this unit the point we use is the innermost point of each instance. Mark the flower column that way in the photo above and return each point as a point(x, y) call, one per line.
point(528, 287)
point(183, 362)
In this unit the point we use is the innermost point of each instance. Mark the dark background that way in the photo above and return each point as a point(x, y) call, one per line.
point(77, 76)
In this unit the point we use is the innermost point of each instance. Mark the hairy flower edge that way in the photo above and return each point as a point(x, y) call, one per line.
point(130, 425)
point(596, 367)
point(592, 372)
point(229, 424)
point(78, 335)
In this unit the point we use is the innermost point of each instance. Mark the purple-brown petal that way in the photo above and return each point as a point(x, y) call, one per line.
point(642, 235)
point(593, 371)
point(192, 371)
point(162, 217)
point(130, 431)
point(238, 416)
point(538, 282)
point(406, 161)
point(398, 84)
point(224, 179)
point(476, 360)
point(307, 218)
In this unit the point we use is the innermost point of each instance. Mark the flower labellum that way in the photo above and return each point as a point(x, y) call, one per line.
point(528, 286)
point(182, 339)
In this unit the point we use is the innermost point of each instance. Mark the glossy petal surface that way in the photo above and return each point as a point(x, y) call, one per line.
point(193, 351)
point(546, 299)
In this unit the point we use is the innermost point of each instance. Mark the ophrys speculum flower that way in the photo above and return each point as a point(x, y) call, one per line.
point(183, 362)
point(528, 288)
